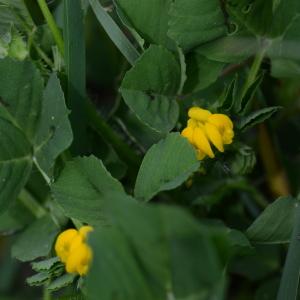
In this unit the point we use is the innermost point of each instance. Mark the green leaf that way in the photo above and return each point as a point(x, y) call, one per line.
point(230, 94)
point(14, 12)
point(28, 124)
point(201, 72)
point(15, 162)
point(150, 86)
point(20, 95)
point(243, 101)
point(195, 22)
point(141, 13)
point(243, 161)
point(38, 279)
point(285, 68)
point(45, 265)
point(177, 265)
point(231, 48)
point(21, 92)
point(115, 33)
point(265, 18)
point(289, 283)
point(36, 241)
point(275, 224)
point(76, 71)
point(55, 133)
point(61, 282)
point(165, 166)
point(86, 182)
point(257, 117)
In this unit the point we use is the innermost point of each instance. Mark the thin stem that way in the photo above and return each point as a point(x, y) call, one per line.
point(46, 293)
point(43, 55)
point(31, 204)
point(52, 25)
point(255, 68)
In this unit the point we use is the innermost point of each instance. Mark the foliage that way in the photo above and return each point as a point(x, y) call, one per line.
point(93, 97)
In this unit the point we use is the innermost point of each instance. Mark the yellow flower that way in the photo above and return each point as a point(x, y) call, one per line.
point(79, 259)
point(204, 128)
point(72, 250)
point(84, 231)
point(64, 242)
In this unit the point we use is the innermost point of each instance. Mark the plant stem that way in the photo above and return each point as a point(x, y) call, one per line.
point(43, 55)
point(46, 293)
point(255, 68)
point(52, 25)
point(31, 204)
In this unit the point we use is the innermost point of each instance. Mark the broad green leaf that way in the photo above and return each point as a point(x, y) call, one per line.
point(15, 162)
point(115, 33)
point(177, 265)
point(257, 117)
point(15, 217)
point(263, 17)
point(196, 22)
point(201, 72)
point(30, 126)
point(45, 265)
point(54, 133)
point(36, 241)
point(165, 166)
point(286, 47)
point(21, 92)
point(149, 88)
point(289, 284)
point(149, 18)
point(82, 188)
point(61, 282)
point(231, 48)
point(285, 68)
point(275, 224)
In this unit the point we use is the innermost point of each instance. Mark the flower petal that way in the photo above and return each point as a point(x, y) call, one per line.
point(214, 136)
point(199, 114)
point(201, 142)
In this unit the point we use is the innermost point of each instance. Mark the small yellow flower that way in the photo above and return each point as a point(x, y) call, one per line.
point(79, 259)
point(64, 242)
point(72, 250)
point(204, 128)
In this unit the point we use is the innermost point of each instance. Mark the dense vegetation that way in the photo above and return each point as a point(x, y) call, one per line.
point(149, 149)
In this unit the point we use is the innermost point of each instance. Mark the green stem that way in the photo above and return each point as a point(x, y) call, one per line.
point(43, 55)
point(52, 25)
point(254, 68)
point(31, 204)
point(46, 293)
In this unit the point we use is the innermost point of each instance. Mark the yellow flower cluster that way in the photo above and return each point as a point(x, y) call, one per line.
point(73, 251)
point(204, 128)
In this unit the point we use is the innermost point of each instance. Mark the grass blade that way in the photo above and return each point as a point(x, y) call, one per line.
point(290, 279)
point(76, 70)
point(115, 33)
